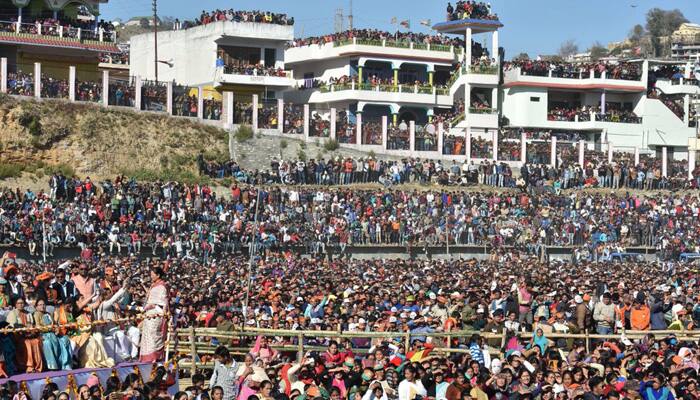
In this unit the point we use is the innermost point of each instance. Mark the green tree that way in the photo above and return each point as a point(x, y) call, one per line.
point(597, 51)
point(636, 34)
point(568, 48)
point(522, 56)
point(662, 23)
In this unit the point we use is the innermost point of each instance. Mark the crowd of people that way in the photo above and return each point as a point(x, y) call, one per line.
point(470, 9)
point(583, 113)
point(614, 70)
point(254, 69)
point(262, 17)
point(20, 83)
point(378, 35)
point(65, 27)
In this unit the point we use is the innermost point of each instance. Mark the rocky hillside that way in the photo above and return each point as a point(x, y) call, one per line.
point(40, 136)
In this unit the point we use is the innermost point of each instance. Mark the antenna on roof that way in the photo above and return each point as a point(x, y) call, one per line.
point(350, 16)
point(339, 20)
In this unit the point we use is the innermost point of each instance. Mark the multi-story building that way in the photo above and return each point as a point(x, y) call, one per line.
point(197, 64)
point(41, 39)
point(685, 43)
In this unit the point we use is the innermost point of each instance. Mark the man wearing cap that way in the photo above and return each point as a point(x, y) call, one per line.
point(13, 289)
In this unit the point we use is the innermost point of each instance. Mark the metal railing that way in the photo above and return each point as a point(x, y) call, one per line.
point(401, 44)
point(192, 342)
point(57, 31)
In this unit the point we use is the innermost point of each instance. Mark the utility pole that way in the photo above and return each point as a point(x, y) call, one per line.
point(350, 17)
point(155, 36)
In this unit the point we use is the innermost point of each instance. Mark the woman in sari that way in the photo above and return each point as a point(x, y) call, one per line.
point(154, 326)
point(57, 350)
point(27, 343)
point(91, 348)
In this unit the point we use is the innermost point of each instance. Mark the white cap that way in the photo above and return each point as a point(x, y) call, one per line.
point(558, 388)
point(361, 321)
point(403, 315)
point(578, 299)
point(392, 319)
point(394, 310)
point(413, 314)
point(432, 296)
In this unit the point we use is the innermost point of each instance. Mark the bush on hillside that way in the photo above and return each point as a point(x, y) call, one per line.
point(244, 133)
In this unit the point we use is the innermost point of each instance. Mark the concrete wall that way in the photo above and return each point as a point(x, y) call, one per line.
point(193, 51)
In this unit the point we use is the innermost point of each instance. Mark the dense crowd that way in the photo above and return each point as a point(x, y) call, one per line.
point(263, 17)
point(614, 70)
point(20, 83)
point(470, 9)
point(583, 113)
point(66, 27)
point(196, 235)
point(378, 35)
point(254, 69)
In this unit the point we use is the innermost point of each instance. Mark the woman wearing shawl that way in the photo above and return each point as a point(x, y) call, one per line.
point(154, 326)
point(57, 351)
point(537, 343)
point(28, 344)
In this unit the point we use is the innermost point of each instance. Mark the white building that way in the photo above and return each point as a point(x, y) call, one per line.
point(189, 57)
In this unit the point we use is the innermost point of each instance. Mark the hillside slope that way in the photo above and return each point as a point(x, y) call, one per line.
point(101, 142)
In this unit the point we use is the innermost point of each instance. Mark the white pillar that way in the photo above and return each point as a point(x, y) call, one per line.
point(664, 161)
point(686, 109)
point(602, 103)
point(440, 138)
point(467, 99)
point(255, 113)
point(494, 45)
point(37, 80)
point(610, 151)
point(280, 115)
point(494, 99)
point(307, 121)
point(229, 110)
point(581, 152)
point(334, 118)
point(385, 130)
point(358, 138)
point(468, 144)
point(468, 48)
point(412, 135)
point(495, 145)
point(71, 83)
point(262, 56)
point(691, 163)
point(200, 102)
point(169, 100)
point(105, 88)
point(3, 75)
point(553, 153)
point(137, 99)
point(523, 147)
point(636, 155)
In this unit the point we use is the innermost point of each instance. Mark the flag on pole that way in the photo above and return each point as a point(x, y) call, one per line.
point(406, 24)
point(425, 22)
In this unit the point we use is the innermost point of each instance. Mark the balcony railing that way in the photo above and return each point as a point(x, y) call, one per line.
point(473, 110)
point(57, 31)
point(474, 70)
point(394, 43)
point(618, 118)
point(384, 88)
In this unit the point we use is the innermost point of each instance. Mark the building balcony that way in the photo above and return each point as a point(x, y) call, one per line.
point(578, 80)
point(378, 48)
point(57, 36)
point(277, 78)
point(414, 94)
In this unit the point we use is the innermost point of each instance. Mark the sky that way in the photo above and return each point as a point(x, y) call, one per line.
point(532, 26)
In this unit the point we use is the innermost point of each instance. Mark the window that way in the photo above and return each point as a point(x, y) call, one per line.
point(535, 99)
